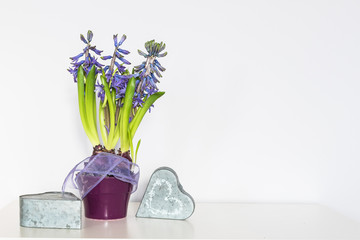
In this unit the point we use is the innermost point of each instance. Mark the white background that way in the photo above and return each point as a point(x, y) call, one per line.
point(261, 104)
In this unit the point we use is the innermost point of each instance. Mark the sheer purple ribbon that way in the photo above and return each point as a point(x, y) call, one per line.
point(100, 166)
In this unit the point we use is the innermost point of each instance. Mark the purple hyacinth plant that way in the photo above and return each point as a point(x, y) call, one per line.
point(124, 95)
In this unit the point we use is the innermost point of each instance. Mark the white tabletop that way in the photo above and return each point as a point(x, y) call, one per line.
point(210, 220)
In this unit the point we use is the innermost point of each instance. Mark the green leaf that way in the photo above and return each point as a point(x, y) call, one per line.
point(82, 108)
point(81, 97)
point(137, 149)
point(125, 115)
point(105, 98)
point(141, 112)
point(131, 146)
point(90, 103)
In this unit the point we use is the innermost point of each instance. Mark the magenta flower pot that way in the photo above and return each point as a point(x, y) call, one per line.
point(107, 200)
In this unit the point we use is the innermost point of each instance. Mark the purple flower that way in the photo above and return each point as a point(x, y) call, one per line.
point(142, 53)
point(151, 107)
point(150, 91)
point(119, 50)
point(158, 65)
point(76, 58)
point(116, 43)
point(106, 57)
point(117, 76)
point(149, 69)
point(125, 61)
point(121, 58)
point(123, 51)
point(137, 100)
point(73, 72)
point(95, 62)
point(120, 67)
point(99, 88)
point(93, 48)
point(89, 36)
point(78, 64)
point(115, 72)
point(120, 93)
point(89, 61)
point(120, 81)
point(83, 39)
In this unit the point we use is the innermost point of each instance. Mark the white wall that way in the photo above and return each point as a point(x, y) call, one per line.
point(261, 101)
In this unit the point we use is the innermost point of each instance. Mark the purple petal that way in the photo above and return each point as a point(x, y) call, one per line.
point(77, 64)
point(123, 51)
point(118, 55)
point(125, 61)
point(87, 70)
point(98, 52)
point(154, 78)
point(121, 40)
point(162, 46)
point(108, 76)
point(106, 57)
point(142, 53)
point(147, 45)
point(76, 58)
point(156, 70)
point(89, 35)
point(115, 40)
point(139, 67)
point(97, 64)
point(98, 71)
point(150, 108)
point(163, 54)
point(73, 71)
point(83, 39)
point(120, 67)
point(161, 68)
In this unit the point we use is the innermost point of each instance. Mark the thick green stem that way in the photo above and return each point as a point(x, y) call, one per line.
point(111, 139)
point(117, 129)
point(111, 104)
point(103, 131)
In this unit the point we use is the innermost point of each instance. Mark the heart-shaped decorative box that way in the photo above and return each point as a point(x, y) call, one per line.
point(165, 197)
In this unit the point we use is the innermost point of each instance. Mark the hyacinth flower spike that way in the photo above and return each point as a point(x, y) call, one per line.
point(84, 73)
point(147, 84)
point(114, 82)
